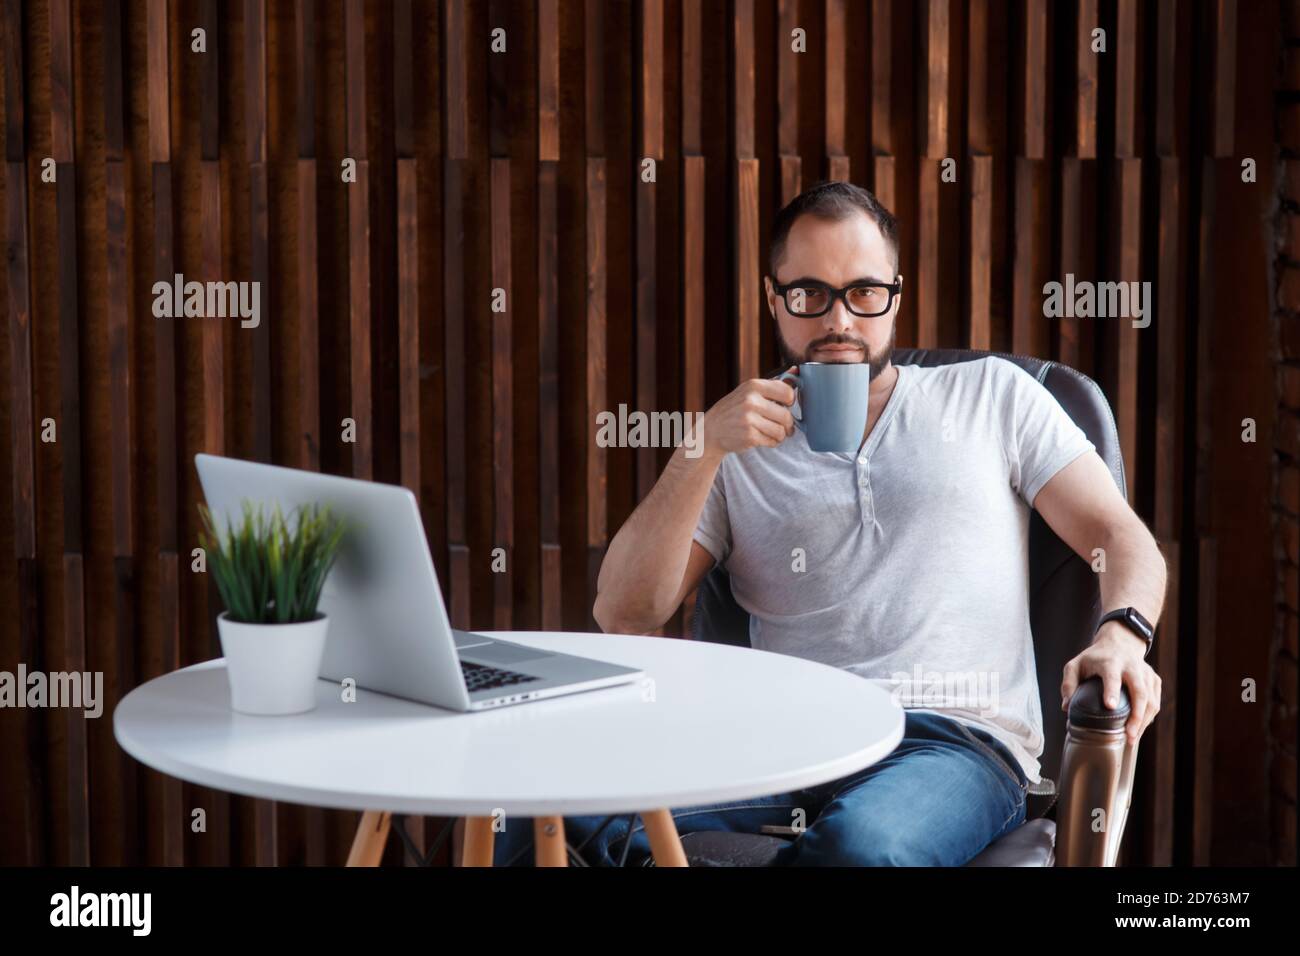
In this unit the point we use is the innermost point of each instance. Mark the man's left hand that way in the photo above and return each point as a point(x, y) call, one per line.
point(1115, 655)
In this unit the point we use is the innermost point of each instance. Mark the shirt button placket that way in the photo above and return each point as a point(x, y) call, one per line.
point(864, 491)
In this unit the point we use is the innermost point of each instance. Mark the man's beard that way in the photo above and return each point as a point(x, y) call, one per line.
point(876, 362)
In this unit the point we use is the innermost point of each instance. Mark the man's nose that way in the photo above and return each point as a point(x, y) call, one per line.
point(839, 318)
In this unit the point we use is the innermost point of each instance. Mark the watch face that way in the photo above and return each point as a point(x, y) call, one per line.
point(1139, 622)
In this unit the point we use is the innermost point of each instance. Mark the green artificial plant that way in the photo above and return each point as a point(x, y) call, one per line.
point(269, 570)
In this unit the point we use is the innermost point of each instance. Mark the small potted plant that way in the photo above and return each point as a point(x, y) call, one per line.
point(269, 572)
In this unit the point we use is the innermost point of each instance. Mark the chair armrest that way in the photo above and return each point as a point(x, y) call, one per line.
point(1096, 785)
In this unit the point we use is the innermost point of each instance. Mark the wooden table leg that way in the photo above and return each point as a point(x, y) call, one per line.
point(479, 842)
point(548, 837)
point(372, 834)
point(665, 845)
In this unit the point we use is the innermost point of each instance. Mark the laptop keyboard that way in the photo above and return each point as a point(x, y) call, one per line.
point(482, 677)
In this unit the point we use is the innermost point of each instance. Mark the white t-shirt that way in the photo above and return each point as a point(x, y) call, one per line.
point(907, 563)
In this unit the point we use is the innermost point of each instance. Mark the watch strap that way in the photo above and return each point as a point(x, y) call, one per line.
point(1131, 618)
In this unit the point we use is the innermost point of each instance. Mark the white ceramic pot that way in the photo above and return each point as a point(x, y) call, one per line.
point(273, 668)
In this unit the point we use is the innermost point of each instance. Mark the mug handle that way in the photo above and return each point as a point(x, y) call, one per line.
point(793, 379)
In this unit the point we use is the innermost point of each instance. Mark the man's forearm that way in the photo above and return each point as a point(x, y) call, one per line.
point(1135, 573)
point(643, 568)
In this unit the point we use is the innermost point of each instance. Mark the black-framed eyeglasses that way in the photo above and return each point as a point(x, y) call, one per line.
point(809, 298)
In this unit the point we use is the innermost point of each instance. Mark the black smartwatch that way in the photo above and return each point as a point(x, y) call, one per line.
point(1135, 622)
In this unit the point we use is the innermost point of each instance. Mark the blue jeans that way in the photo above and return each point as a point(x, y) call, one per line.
point(940, 797)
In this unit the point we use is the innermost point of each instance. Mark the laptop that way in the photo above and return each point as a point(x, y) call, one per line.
point(389, 629)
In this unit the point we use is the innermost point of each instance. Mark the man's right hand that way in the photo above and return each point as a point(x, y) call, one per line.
point(756, 413)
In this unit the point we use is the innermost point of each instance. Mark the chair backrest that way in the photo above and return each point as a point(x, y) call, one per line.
point(1065, 596)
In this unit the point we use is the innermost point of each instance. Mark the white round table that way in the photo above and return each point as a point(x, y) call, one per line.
point(710, 723)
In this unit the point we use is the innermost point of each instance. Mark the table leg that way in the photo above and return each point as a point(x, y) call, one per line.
point(372, 834)
point(548, 837)
point(479, 842)
point(665, 845)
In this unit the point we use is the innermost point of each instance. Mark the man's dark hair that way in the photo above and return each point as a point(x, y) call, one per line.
point(832, 200)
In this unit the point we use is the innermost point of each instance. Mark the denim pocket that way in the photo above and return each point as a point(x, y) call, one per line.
point(990, 749)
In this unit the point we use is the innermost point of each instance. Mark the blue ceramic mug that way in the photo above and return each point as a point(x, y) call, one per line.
point(831, 398)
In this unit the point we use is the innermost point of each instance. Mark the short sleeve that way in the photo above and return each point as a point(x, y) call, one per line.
point(713, 531)
point(1039, 435)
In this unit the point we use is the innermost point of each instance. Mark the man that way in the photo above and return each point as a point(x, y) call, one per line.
point(914, 559)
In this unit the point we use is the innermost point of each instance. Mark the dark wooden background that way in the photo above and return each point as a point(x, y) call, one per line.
point(522, 171)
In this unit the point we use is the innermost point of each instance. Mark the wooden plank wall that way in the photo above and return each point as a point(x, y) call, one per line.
point(528, 170)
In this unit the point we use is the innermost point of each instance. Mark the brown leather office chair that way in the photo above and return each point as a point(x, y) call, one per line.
point(1087, 765)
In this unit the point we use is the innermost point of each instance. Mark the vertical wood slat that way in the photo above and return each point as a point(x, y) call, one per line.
point(787, 106)
point(1159, 787)
point(928, 265)
point(1167, 87)
point(20, 360)
point(22, 775)
point(787, 81)
point(747, 258)
point(18, 284)
point(1075, 241)
point(165, 656)
point(935, 143)
point(408, 290)
point(1225, 78)
point(883, 172)
point(650, 146)
point(882, 87)
point(1028, 328)
point(308, 263)
point(742, 40)
point(73, 746)
point(160, 148)
point(1203, 715)
point(255, 125)
point(265, 828)
point(15, 100)
point(503, 397)
point(745, 223)
point(77, 821)
point(694, 173)
point(455, 176)
point(63, 125)
point(1127, 79)
point(213, 332)
point(1129, 246)
point(1035, 80)
point(359, 310)
point(836, 106)
point(216, 851)
point(210, 206)
point(31, 778)
point(121, 772)
point(408, 318)
point(548, 84)
point(693, 281)
point(1085, 73)
point(454, 339)
point(979, 136)
point(597, 457)
point(361, 407)
point(596, 264)
point(548, 338)
point(408, 251)
point(1206, 549)
point(980, 296)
